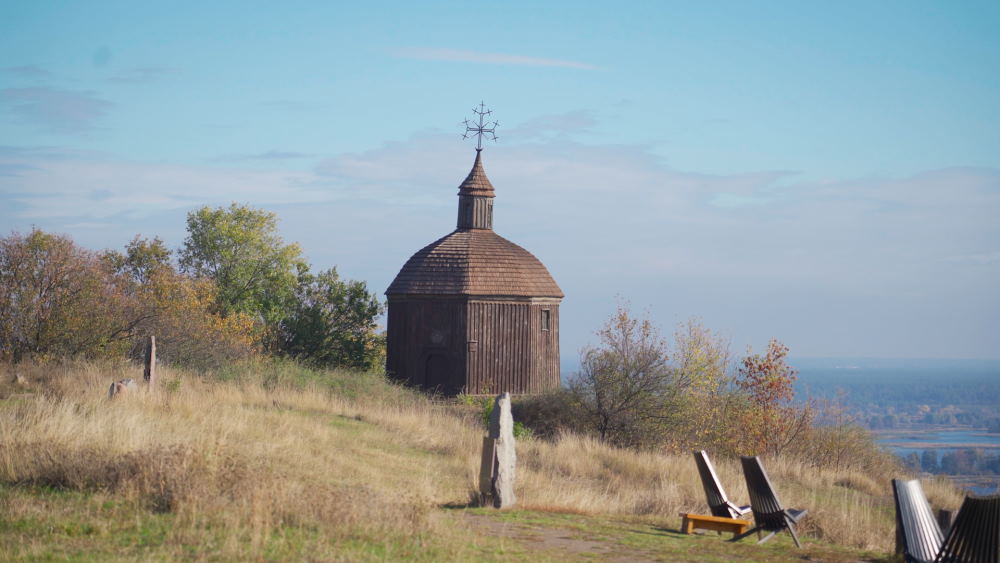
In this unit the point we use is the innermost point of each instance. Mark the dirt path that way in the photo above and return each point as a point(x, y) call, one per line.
point(570, 537)
point(556, 541)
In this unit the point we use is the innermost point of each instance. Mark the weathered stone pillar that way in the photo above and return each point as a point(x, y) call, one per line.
point(496, 476)
point(149, 371)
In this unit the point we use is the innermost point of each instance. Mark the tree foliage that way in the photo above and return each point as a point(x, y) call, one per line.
point(240, 290)
point(179, 309)
point(636, 389)
point(625, 384)
point(142, 261)
point(239, 249)
point(56, 299)
point(768, 379)
point(771, 423)
point(332, 322)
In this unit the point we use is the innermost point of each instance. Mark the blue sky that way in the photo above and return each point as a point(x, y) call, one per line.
point(827, 174)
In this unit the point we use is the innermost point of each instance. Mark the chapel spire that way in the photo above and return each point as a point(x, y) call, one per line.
point(475, 195)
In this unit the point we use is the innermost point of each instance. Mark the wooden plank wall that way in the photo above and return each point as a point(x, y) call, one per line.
point(419, 327)
point(512, 352)
point(499, 345)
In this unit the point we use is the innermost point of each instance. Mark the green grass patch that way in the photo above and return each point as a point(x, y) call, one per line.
point(664, 541)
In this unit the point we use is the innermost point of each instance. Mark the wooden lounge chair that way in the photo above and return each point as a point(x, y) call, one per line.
point(921, 536)
point(718, 504)
point(768, 514)
point(973, 537)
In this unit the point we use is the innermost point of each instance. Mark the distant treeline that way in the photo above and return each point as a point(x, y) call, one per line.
point(892, 397)
point(902, 386)
point(958, 462)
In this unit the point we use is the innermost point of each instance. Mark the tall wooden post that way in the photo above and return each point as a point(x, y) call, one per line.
point(149, 371)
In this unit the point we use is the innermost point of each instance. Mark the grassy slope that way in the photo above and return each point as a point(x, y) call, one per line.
point(280, 463)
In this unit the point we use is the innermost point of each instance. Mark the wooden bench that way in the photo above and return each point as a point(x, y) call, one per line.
point(716, 523)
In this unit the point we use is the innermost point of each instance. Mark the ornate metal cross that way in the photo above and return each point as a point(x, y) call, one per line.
point(481, 128)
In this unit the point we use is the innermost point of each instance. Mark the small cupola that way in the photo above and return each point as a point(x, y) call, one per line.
point(475, 198)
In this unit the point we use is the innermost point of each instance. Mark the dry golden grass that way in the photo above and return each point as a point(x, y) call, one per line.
point(279, 466)
point(232, 456)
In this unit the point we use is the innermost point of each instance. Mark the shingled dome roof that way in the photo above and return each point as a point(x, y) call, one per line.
point(474, 262)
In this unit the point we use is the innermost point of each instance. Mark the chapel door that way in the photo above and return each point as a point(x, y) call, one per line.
point(437, 373)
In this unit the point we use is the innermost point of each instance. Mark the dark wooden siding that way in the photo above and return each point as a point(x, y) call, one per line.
point(417, 329)
point(512, 352)
point(547, 346)
point(503, 361)
point(495, 345)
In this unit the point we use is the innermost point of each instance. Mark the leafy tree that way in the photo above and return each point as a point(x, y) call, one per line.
point(701, 364)
point(701, 358)
point(625, 385)
point(142, 260)
point(240, 250)
point(332, 322)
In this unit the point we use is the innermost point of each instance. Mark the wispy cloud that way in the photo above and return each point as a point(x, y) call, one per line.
point(877, 232)
point(266, 155)
point(27, 71)
point(55, 110)
point(461, 55)
point(140, 75)
point(574, 122)
point(93, 189)
point(14, 169)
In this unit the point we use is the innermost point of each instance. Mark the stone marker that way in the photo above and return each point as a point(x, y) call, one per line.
point(499, 448)
point(122, 387)
point(149, 371)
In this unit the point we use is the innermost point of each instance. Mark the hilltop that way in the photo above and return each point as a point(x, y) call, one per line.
point(269, 460)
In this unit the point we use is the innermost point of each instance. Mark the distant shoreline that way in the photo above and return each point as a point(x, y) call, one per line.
point(940, 446)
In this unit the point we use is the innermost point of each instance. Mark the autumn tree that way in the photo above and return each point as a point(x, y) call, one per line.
point(56, 299)
point(626, 385)
point(180, 310)
point(770, 422)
